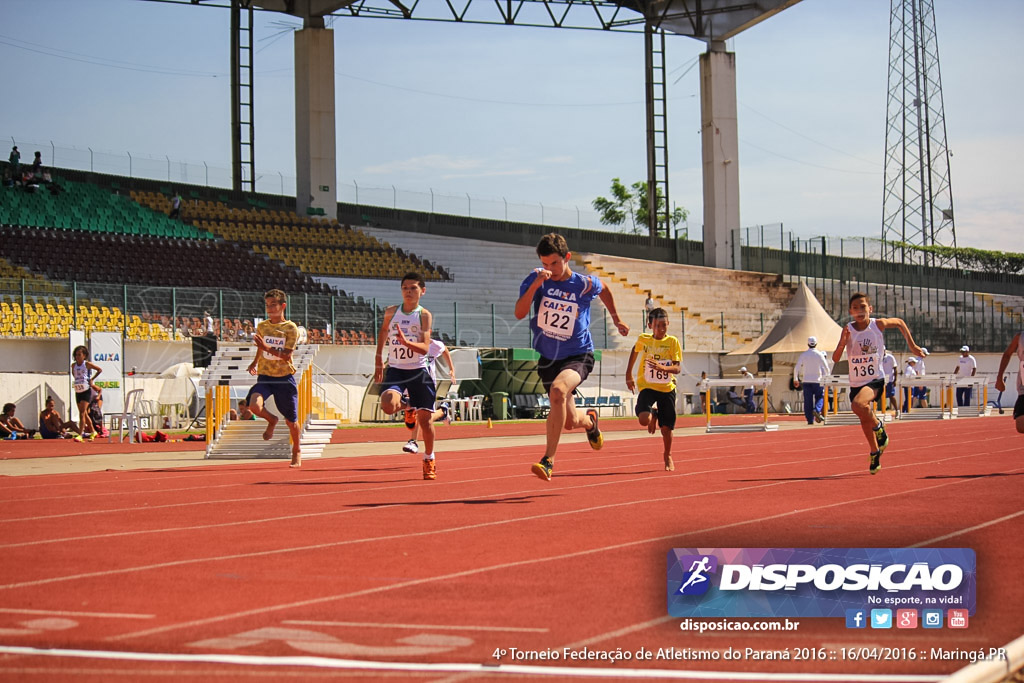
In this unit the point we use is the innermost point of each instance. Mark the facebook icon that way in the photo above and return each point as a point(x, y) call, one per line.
point(856, 618)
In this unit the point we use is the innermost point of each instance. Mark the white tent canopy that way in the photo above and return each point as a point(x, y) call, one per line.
point(804, 317)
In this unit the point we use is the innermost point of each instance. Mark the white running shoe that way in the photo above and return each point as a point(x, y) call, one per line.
point(411, 446)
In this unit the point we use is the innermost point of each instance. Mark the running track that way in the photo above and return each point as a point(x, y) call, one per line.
point(358, 563)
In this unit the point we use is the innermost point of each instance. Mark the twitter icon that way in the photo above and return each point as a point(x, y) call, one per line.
point(881, 618)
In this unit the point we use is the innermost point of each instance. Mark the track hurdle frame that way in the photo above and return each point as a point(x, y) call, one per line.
point(762, 382)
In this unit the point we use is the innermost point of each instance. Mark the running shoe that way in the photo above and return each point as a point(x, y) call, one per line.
point(594, 433)
point(881, 437)
point(446, 409)
point(429, 470)
point(78, 438)
point(818, 417)
point(543, 468)
point(410, 418)
point(411, 446)
point(91, 436)
point(876, 462)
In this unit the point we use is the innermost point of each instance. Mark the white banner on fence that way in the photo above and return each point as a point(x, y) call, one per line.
point(108, 354)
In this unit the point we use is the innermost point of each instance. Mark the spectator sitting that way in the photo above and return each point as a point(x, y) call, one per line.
point(247, 331)
point(243, 412)
point(96, 412)
point(13, 426)
point(52, 425)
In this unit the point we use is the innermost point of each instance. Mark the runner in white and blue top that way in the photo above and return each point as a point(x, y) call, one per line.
point(1014, 352)
point(406, 328)
point(864, 343)
point(558, 303)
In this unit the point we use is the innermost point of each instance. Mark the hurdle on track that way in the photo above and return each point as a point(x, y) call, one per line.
point(758, 382)
point(244, 438)
point(835, 385)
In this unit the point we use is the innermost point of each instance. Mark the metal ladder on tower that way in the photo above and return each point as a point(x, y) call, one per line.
point(657, 129)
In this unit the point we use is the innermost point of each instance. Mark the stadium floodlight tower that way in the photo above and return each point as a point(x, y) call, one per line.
point(917, 203)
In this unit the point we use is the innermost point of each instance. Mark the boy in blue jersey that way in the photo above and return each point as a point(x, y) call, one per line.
point(559, 301)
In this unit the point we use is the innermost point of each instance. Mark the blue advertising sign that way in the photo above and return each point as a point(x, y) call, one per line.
point(818, 582)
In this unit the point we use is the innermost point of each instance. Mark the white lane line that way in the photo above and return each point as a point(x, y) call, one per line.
point(534, 491)
point(433, 627)
point(413, 484)
point(518, 563)
point(197, 527)
point(281, 518)
point(62, 613)
point(613, 671)
point(969, 529)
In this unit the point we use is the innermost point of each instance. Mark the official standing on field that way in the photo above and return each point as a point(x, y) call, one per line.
point(811, 369)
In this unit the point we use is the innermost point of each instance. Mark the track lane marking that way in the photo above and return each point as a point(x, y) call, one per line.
point(458, 667)
point(517, 563)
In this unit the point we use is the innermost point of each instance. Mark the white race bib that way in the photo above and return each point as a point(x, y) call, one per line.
point(276, 343)
point(79, 387)
point(557, 318)
point(863, 367)
point(655, 375)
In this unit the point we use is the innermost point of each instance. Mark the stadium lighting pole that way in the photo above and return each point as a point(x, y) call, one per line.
point(91, 170)
point(129, 164)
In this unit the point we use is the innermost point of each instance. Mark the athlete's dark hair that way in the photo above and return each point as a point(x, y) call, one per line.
point(657, 314)
point(552, 243)
point(859, 295)
point(413, 275)
point(83, 349)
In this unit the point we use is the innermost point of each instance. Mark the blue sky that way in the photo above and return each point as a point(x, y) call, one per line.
point(531, 116)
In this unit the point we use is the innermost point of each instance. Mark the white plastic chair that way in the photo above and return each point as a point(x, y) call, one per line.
point(474, 411)
point(127, 419)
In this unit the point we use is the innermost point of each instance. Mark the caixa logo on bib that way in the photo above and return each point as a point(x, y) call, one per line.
point(816, 582)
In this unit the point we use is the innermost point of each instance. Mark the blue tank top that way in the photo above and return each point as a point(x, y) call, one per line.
point(560, 324)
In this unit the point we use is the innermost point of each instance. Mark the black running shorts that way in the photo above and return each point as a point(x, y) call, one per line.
point(549, 369)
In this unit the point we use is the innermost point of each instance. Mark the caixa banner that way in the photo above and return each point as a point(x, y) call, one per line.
point(817, 582)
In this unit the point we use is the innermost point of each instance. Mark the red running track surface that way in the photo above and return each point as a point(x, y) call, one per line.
point(360, 563)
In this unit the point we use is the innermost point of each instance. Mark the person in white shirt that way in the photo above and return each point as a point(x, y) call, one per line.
point(966, 366)
point(909, 373)
point(889, 370)
point(748, 392)
point(921, 393)
point(811, 368)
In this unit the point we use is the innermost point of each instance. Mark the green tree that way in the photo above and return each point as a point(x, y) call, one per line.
point(628, 208)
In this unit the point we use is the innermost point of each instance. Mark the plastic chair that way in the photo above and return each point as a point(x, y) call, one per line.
point(474, 411)
point(126, 419)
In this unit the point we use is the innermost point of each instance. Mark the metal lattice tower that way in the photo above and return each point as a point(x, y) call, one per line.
point(917, 204)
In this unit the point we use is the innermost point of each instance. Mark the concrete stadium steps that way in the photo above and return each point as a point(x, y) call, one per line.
point(701, 294)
